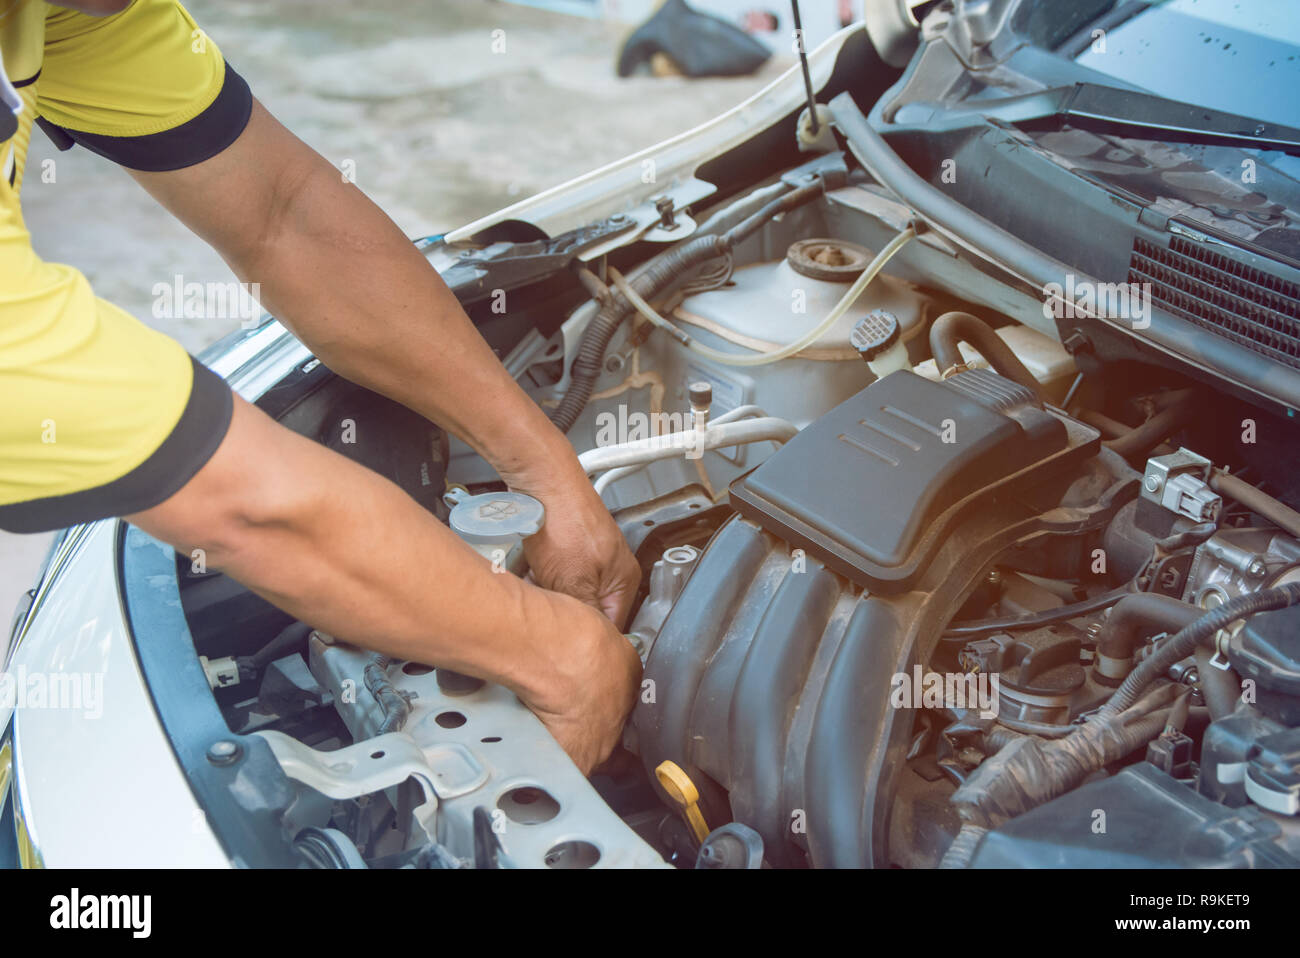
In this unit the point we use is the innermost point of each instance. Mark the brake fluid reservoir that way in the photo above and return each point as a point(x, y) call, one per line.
point(495, 524)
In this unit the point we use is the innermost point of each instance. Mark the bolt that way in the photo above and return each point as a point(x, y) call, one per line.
point(664, 206)
point(1151, 483)
point(224, 752)
point(1256, 567)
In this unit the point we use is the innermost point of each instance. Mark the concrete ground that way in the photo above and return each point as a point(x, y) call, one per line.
point(440, 122)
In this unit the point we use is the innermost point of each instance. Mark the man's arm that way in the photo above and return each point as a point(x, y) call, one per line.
point(344, 549)
point(341, 275)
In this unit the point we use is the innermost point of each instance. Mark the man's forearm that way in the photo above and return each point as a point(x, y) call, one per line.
point(344, 549)
point(335, 268)
point(337, 271)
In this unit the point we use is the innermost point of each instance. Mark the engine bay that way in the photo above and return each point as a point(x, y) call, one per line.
point(921, 585)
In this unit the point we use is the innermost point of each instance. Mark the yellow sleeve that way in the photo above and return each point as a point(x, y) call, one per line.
point(102, 415)
point(146, 87)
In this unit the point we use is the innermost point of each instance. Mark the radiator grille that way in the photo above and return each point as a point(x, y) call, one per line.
point(1239, 302)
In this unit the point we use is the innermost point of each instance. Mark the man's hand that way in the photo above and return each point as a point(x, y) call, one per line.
point(587, 698)
point(580, 550)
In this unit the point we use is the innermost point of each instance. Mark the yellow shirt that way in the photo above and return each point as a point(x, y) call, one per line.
point(99, 414)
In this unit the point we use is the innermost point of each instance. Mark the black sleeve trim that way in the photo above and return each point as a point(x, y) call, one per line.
point(57, 134)
point(192, 142)
point(200, 430)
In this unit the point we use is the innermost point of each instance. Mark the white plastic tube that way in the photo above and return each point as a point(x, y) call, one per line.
point(639, 452)
point(607, 479)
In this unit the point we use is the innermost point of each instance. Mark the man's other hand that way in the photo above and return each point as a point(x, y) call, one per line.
point(585, 698)
point(580, 550)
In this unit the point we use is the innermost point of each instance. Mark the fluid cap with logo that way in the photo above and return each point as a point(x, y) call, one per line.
point(494, 518)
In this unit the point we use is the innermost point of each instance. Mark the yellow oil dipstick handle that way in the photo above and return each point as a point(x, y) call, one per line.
point(682, 790)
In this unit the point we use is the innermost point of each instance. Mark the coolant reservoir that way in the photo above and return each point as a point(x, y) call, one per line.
point(770, 304)
point(495, 524)
point(776, 303)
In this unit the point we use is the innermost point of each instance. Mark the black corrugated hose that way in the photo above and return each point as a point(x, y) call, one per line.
point(595, 338)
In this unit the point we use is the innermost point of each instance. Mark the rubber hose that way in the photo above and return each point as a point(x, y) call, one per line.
point(1141, 439)
point(1184, 643)
point(1139, 612)
point(1256, 501)
point(782, 204)
point(1189, 538)
point(1034, 620)
point(1110, 428)
point(1219, 687)
point(1170, 397)
point(951, 329)
point(288, 639)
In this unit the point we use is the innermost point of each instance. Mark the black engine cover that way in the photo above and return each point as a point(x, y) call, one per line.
point(873, 486)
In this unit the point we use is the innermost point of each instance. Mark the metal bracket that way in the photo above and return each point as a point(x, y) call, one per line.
point(505, 266)
point(443, 771)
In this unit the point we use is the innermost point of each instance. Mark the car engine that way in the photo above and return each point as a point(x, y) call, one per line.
point(925, 587)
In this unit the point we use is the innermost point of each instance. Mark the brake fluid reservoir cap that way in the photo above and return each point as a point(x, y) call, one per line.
point(496, 516)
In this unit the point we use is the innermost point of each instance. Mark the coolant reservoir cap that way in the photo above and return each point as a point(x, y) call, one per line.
point(830, 260)
point(874, 333)
point(495, 516)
